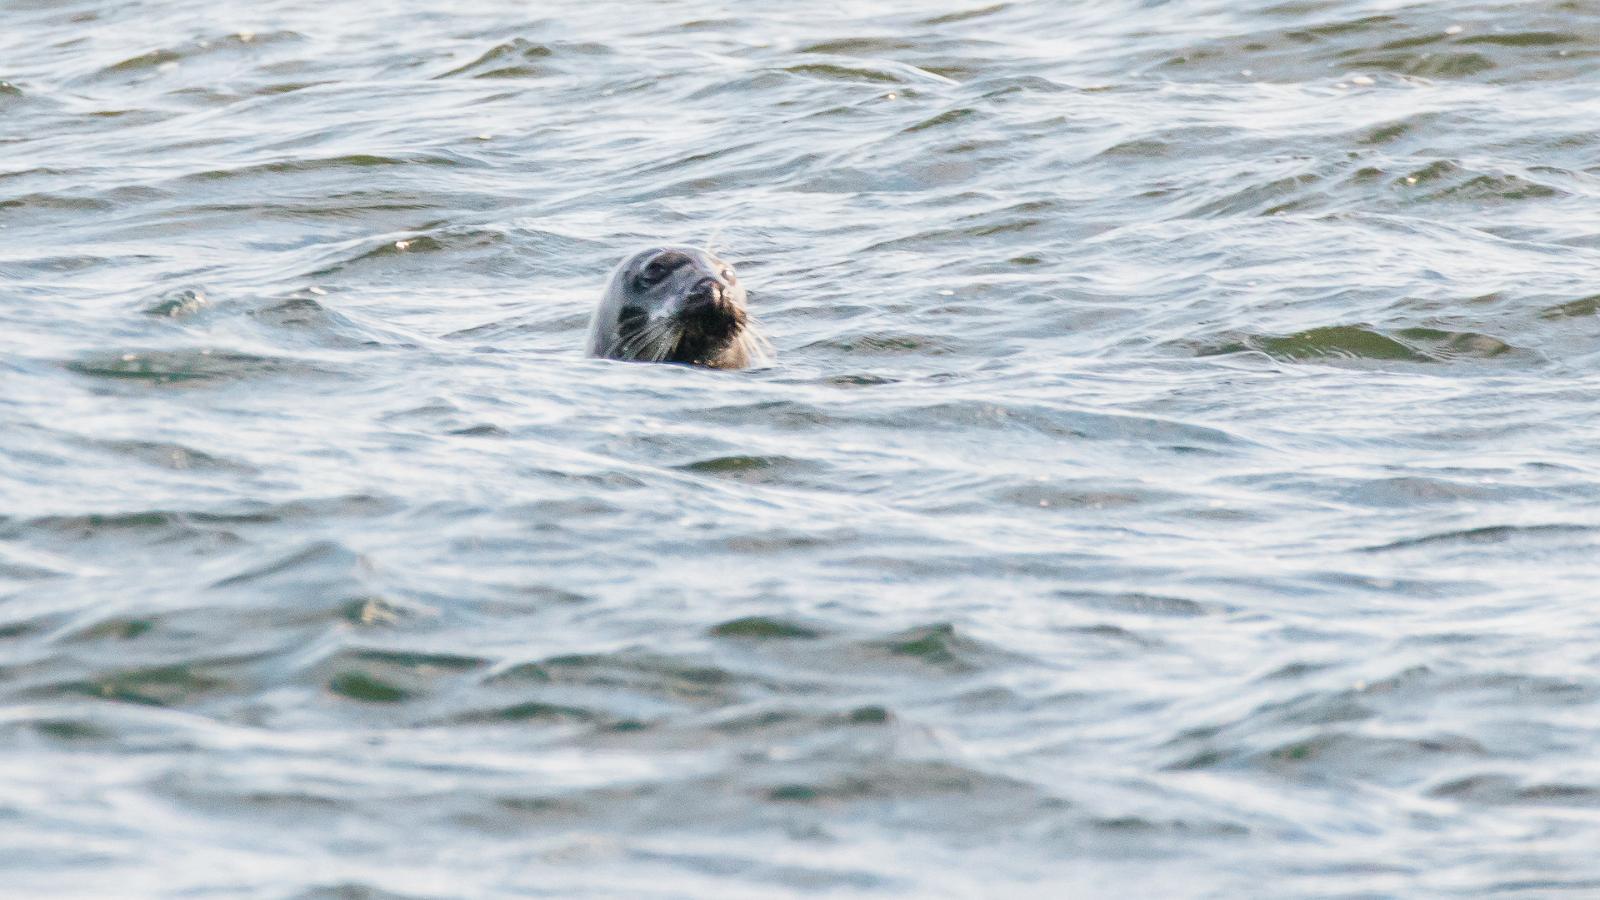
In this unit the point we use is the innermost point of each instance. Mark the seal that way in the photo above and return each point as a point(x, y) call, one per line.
point(676, 304)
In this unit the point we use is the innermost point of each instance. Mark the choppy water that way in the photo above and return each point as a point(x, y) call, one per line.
point(1179, 477)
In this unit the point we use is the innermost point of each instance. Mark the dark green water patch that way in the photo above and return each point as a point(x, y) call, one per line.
point(169, 685)
point(1443, 65)
point(530, 711)
point(1585, 306)
point(869, 715)
point(1334, 342)
point(939, 646)
point(631, 674)
point(522, 58)
point(1447, 180)
point(119, 629)
point(839, 72)
point(152, 60)
point(426, 663)
point(374, 675)
point(367, 688)
point(733, 465)
point(949, 117)
point(967, 15)
point(859, 46)
point(1447, 345)
point(1176, 827)
point(72, 731)
point(751, 469)
point(1523, 39)
point(762, 628)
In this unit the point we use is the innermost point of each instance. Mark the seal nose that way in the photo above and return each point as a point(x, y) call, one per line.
point(706, 292)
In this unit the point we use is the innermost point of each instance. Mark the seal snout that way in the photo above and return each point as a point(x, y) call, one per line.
point(709, 311)
point(704, 293)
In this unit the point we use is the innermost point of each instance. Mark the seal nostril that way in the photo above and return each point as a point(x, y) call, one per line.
point(706, 290)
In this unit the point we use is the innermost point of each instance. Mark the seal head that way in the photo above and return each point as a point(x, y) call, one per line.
point(676, 304)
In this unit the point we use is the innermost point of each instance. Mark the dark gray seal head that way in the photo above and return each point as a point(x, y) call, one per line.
point(676, 304)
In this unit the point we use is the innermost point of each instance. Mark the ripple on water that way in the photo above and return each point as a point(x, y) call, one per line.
point(938, 647)
point(522, 58)
point(194, 366)
point(330, 164)
point(1364, 344)
point(311, 319)
point(627, 680)
point(1494, 534)
point(385, 677)
point(172, 685)
point(1508, 790)
point(166, 58)
point(1421, 42)
point(1449, 181)
point(1141, 604)
point(175, 456)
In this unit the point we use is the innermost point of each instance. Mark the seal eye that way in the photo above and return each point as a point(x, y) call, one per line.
point(652, 273)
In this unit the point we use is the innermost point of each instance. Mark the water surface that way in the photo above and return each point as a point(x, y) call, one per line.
point(1178, 477)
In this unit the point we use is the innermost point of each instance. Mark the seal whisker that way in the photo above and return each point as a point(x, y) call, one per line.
point(711, 242)
point(652, 343)
point(645, 339)
point(667, 344)
point(757, 349)
point(634, 344)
